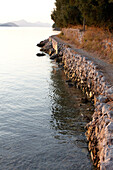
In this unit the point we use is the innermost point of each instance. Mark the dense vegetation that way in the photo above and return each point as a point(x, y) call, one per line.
point(98, 13)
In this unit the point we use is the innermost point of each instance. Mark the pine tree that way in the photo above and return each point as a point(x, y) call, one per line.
point(98, 13)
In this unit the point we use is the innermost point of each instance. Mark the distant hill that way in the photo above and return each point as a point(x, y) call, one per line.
point(24, 23)
point(8, 24)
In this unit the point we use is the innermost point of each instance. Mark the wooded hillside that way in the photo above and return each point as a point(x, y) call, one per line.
point(98, 13)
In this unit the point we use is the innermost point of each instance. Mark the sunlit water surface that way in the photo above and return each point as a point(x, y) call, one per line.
point(41, 120)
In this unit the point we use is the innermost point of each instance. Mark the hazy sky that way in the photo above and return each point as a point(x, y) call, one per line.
point(30, 10)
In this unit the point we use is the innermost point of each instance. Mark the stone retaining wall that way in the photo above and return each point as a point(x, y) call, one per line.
point(92, 82)
point(75, 34)
point(54, 44)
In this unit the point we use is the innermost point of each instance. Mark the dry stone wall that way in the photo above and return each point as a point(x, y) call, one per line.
point(75, 34)
point(92, 82)
point(54, 44)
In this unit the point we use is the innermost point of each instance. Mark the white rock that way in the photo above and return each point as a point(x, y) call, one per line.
point(109, 91)
point(105, 108)
point(109, 127)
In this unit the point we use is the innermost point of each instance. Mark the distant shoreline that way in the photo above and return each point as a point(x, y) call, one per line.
point(24, 23)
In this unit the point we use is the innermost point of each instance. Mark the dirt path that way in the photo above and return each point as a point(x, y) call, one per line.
point(104, 67)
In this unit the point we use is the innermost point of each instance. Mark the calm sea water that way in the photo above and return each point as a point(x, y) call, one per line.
point(41, 120)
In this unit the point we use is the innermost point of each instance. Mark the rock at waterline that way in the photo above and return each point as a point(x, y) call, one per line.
point(59, 59)
point(51, 51)
point(42, 43)
point(40, 54)
point(84, 100)
point(70, 84)
point(54, 56)
point(68, 81)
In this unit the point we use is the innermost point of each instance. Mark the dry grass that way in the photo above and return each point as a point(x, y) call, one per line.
point(95, 40)
point(77, 27)
point(61, 35)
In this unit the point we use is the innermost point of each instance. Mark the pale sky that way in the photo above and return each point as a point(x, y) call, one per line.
point(30, 10)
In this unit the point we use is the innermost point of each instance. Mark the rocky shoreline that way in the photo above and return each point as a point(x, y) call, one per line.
point(86, 75)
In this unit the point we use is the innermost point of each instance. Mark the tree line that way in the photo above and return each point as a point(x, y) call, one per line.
point(97, 13)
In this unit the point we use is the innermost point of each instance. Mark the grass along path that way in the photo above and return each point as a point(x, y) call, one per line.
point(102, 65)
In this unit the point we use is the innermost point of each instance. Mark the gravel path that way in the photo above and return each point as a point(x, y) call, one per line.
point(104, 67)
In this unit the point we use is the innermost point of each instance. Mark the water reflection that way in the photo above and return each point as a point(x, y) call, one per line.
point(26, 140)
point(69, 115)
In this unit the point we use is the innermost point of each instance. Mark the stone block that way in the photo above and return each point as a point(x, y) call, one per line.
point(100, 106)
point(102, 99)
point(109, 127)
point(110, 114)
point(110, 96)
point(109, 91)
point(105, 108)
point(108, 165)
